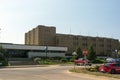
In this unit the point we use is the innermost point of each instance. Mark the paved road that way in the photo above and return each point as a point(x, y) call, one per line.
point(45, 73)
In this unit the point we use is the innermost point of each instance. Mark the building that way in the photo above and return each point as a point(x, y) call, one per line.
point(41, 36)
point(28, 51)
point(46, 35)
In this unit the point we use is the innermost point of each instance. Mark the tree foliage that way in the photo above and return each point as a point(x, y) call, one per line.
point(119, 50)
point(3, 53)
point(91, 54)
point(79, 53)
point(3, 56)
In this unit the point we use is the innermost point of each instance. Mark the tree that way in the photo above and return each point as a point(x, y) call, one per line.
point(91, 54)
point(79, 53)
point(119, 50)
point(3, 56)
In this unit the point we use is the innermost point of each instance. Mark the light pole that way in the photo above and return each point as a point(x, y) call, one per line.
point(46, 48)
point(85, 52)
point(0, 32)
point(116, 52)
point(74, 54)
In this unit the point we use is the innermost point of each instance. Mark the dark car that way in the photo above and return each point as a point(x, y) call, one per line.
point(110, 68)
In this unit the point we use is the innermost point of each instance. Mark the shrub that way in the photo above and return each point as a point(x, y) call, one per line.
point(57, 58)
point(72, 60)
point(37, 60)
point(93, 69)
point(4, 63)
point(63, 60)
point(99, 61)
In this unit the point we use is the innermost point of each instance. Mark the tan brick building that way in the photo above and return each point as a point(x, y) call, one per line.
point(41, 35)
point(46, 35)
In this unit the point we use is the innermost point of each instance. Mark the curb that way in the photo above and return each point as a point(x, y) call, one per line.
point(24, 66)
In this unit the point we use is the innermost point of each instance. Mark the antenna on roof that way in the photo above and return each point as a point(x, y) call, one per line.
point(70, 31)
point(97, 34)
point(0, 32)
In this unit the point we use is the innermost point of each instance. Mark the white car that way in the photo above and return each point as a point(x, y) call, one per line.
point(110, 60)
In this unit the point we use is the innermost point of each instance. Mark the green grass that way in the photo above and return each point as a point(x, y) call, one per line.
point(83, 70)
point(49, 62)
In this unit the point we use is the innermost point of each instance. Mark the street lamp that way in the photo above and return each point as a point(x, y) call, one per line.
point(74, 54)
point(46, 48)
point(116, 52)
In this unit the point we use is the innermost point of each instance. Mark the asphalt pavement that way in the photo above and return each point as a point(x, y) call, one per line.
point(43, 72)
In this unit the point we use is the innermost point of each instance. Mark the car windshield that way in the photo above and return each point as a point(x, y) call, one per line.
point(118, 65)
point(106, 64)
point(81, 59)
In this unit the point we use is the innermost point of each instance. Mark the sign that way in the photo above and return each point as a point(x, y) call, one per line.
point(85, 52)
point(74, 53)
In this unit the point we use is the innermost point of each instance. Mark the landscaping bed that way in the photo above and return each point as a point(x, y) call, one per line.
point(94, 71)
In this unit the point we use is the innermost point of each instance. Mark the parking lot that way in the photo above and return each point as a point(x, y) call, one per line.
point(54, 72)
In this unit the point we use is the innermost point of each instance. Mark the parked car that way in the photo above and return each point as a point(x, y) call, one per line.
point(110, 68)
point(110, 60)
point(82, 61)
point(113, 60)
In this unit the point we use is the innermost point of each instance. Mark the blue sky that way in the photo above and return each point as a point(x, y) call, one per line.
point(79, 17)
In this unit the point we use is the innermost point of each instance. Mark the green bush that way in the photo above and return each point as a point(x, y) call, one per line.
point(99, 61)
point(93, 69)
point(63, 60)
point(37, 60)
point(57, 58)
point(4, 63)
point(72, 60)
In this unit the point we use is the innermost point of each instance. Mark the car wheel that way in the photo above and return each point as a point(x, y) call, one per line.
point(112, 71)
point(90, 64)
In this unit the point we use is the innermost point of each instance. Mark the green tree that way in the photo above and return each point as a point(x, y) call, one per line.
point(3, 56)
point(79, 53)
point(119, 49)
point(91, 54)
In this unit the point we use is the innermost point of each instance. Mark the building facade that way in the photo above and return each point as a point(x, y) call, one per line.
point(41, 35)
point(45, 35)
point(28, 51)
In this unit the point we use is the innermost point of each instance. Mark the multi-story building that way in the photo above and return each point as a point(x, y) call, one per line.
point(41, 35)
point(44, 35)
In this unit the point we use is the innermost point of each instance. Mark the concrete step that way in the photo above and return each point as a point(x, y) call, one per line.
point(22, 63)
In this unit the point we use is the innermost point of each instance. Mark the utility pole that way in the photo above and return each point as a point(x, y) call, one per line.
point(46, 48)
point(0, 33)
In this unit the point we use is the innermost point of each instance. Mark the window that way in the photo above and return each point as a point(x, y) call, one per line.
point(93, 40)
point(101, 45)
point(109, 45)
point(108, 41)
point(94, 45)
point(84, 44)
point(117, 65)
point(84, 39)
point(75, 38)
point(101, 40)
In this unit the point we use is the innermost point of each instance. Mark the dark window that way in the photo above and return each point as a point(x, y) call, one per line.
point(118, 65)
point(101, 40)
point(93, 40)
point(109, 45)
point(84, 39)
point(75, 38)
point(94, 45)
point(84, 44)
point(101, 45)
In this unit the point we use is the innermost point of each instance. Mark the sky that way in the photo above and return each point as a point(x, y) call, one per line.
point(79, 17)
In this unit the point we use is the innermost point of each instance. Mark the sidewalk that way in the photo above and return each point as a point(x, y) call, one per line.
point(23, 66)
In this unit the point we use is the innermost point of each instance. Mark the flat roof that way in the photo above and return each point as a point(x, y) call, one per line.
point(31, 47)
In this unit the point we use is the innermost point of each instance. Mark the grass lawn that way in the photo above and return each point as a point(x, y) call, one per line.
point(97, 73)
